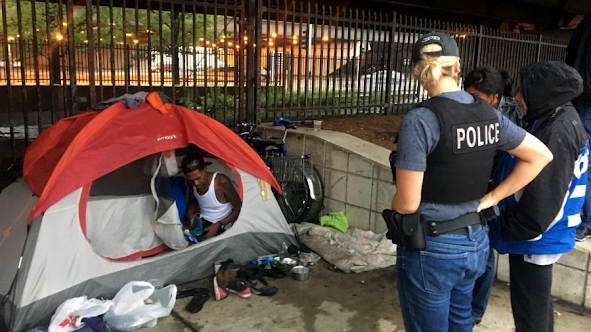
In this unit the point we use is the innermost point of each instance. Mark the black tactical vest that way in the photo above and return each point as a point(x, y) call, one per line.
point(459, 168)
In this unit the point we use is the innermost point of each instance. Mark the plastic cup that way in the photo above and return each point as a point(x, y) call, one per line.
point(317, 125)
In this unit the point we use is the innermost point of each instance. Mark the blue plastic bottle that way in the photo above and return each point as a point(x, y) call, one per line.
point(197, 225)
point(190, 237)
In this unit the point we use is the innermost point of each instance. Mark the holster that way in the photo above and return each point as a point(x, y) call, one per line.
point(405, 230)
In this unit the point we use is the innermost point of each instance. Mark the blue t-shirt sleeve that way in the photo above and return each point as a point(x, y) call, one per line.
point(510, 134)
point(418, 137)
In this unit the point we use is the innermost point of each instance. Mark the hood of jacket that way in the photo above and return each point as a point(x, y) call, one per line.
point(547, 85)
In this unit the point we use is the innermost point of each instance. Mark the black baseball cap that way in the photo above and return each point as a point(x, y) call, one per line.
point(448, 45)
point(193, 162)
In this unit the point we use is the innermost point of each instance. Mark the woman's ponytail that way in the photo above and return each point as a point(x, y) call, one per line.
point(429, 71)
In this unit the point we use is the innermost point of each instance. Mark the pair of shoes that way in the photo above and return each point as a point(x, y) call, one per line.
point(582, 233)
point(254, 277)
point(476, 321)
point(198, 301)
point(236, 286)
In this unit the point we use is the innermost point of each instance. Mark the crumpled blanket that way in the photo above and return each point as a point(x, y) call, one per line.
point(354, 251)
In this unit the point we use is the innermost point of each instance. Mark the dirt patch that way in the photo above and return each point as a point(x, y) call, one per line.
point(377, 129)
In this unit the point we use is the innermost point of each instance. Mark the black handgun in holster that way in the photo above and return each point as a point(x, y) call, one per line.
point(405, 230)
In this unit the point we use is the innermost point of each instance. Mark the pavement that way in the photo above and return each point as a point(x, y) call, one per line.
point(335, 301)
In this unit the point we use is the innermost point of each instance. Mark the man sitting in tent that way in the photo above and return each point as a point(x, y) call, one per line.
point(210, 194)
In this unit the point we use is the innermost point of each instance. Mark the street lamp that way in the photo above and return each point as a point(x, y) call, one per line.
point(274, 35)
point(10, 38)
point(59, 37)
point(135, 41)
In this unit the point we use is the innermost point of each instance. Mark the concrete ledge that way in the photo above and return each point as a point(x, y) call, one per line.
point(358, 181)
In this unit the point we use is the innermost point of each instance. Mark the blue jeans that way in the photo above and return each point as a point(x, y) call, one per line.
point(435, 285)
point(483, 287)
point(584, 110)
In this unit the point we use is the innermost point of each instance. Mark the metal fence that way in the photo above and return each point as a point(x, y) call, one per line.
point(233, 60)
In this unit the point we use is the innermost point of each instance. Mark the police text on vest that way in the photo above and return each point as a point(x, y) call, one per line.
point(475, 136)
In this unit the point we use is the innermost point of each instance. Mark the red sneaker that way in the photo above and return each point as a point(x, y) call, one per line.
point(220, 293)
point(239, 287)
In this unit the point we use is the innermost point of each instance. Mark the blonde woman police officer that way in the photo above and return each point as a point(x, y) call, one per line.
point(446, 147)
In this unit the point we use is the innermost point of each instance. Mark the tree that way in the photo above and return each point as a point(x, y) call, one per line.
point(139, 29)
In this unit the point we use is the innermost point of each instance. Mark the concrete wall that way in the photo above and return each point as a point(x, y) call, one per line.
point(358, 180)
point(356, 174)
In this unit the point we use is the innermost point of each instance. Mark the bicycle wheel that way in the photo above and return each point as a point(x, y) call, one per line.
point(294, 200)
point(315, 188)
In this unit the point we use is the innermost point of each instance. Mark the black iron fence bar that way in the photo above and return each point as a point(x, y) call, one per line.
point(24, 110)
point(36, 64)
point(356, 75)
point(99, 55)
point(313, 49)
point(321, 64)
point(285, 57)
point(7, 67)
point(337, 20)
point(51, 52)
point(90, 51)
point(225, 39)
point(257, 60)
point(112, 48)
point(125, 51)
point(137, 52)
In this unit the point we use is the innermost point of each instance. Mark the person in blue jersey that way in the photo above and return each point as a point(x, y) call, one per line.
point(578, 56)
point(446, 148)
point(497, 89)
point(539, 223)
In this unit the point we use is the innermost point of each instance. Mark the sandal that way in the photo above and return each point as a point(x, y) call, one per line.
point(191, 292)
point(197, 302)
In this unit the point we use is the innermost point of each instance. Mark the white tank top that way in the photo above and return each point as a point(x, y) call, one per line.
point(211, 209)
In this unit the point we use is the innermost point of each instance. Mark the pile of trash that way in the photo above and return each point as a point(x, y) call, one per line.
point(352, 251)
point(137, 304)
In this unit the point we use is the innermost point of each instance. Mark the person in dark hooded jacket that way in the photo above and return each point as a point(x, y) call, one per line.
point(578, 55)
point(538, 224)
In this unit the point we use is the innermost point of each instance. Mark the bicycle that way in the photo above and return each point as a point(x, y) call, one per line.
point(300, 181)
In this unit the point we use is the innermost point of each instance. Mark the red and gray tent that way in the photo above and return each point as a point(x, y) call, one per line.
point(95, 211)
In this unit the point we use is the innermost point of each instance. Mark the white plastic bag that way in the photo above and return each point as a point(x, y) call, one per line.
point(130, 312)
point(68, 316)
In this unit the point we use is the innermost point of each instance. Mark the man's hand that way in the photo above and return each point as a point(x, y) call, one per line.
point(212, 230)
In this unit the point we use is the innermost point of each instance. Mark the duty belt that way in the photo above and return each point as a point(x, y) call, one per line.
point(458, 225)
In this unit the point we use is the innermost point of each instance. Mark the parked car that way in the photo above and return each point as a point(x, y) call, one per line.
point(195, 58)
point(400, 84)
point(15, 63)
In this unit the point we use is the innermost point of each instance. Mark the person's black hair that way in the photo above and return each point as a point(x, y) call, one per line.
point(490, 81)
point(193, 162)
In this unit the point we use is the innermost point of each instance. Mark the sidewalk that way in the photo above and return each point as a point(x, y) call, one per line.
point(334, 301)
